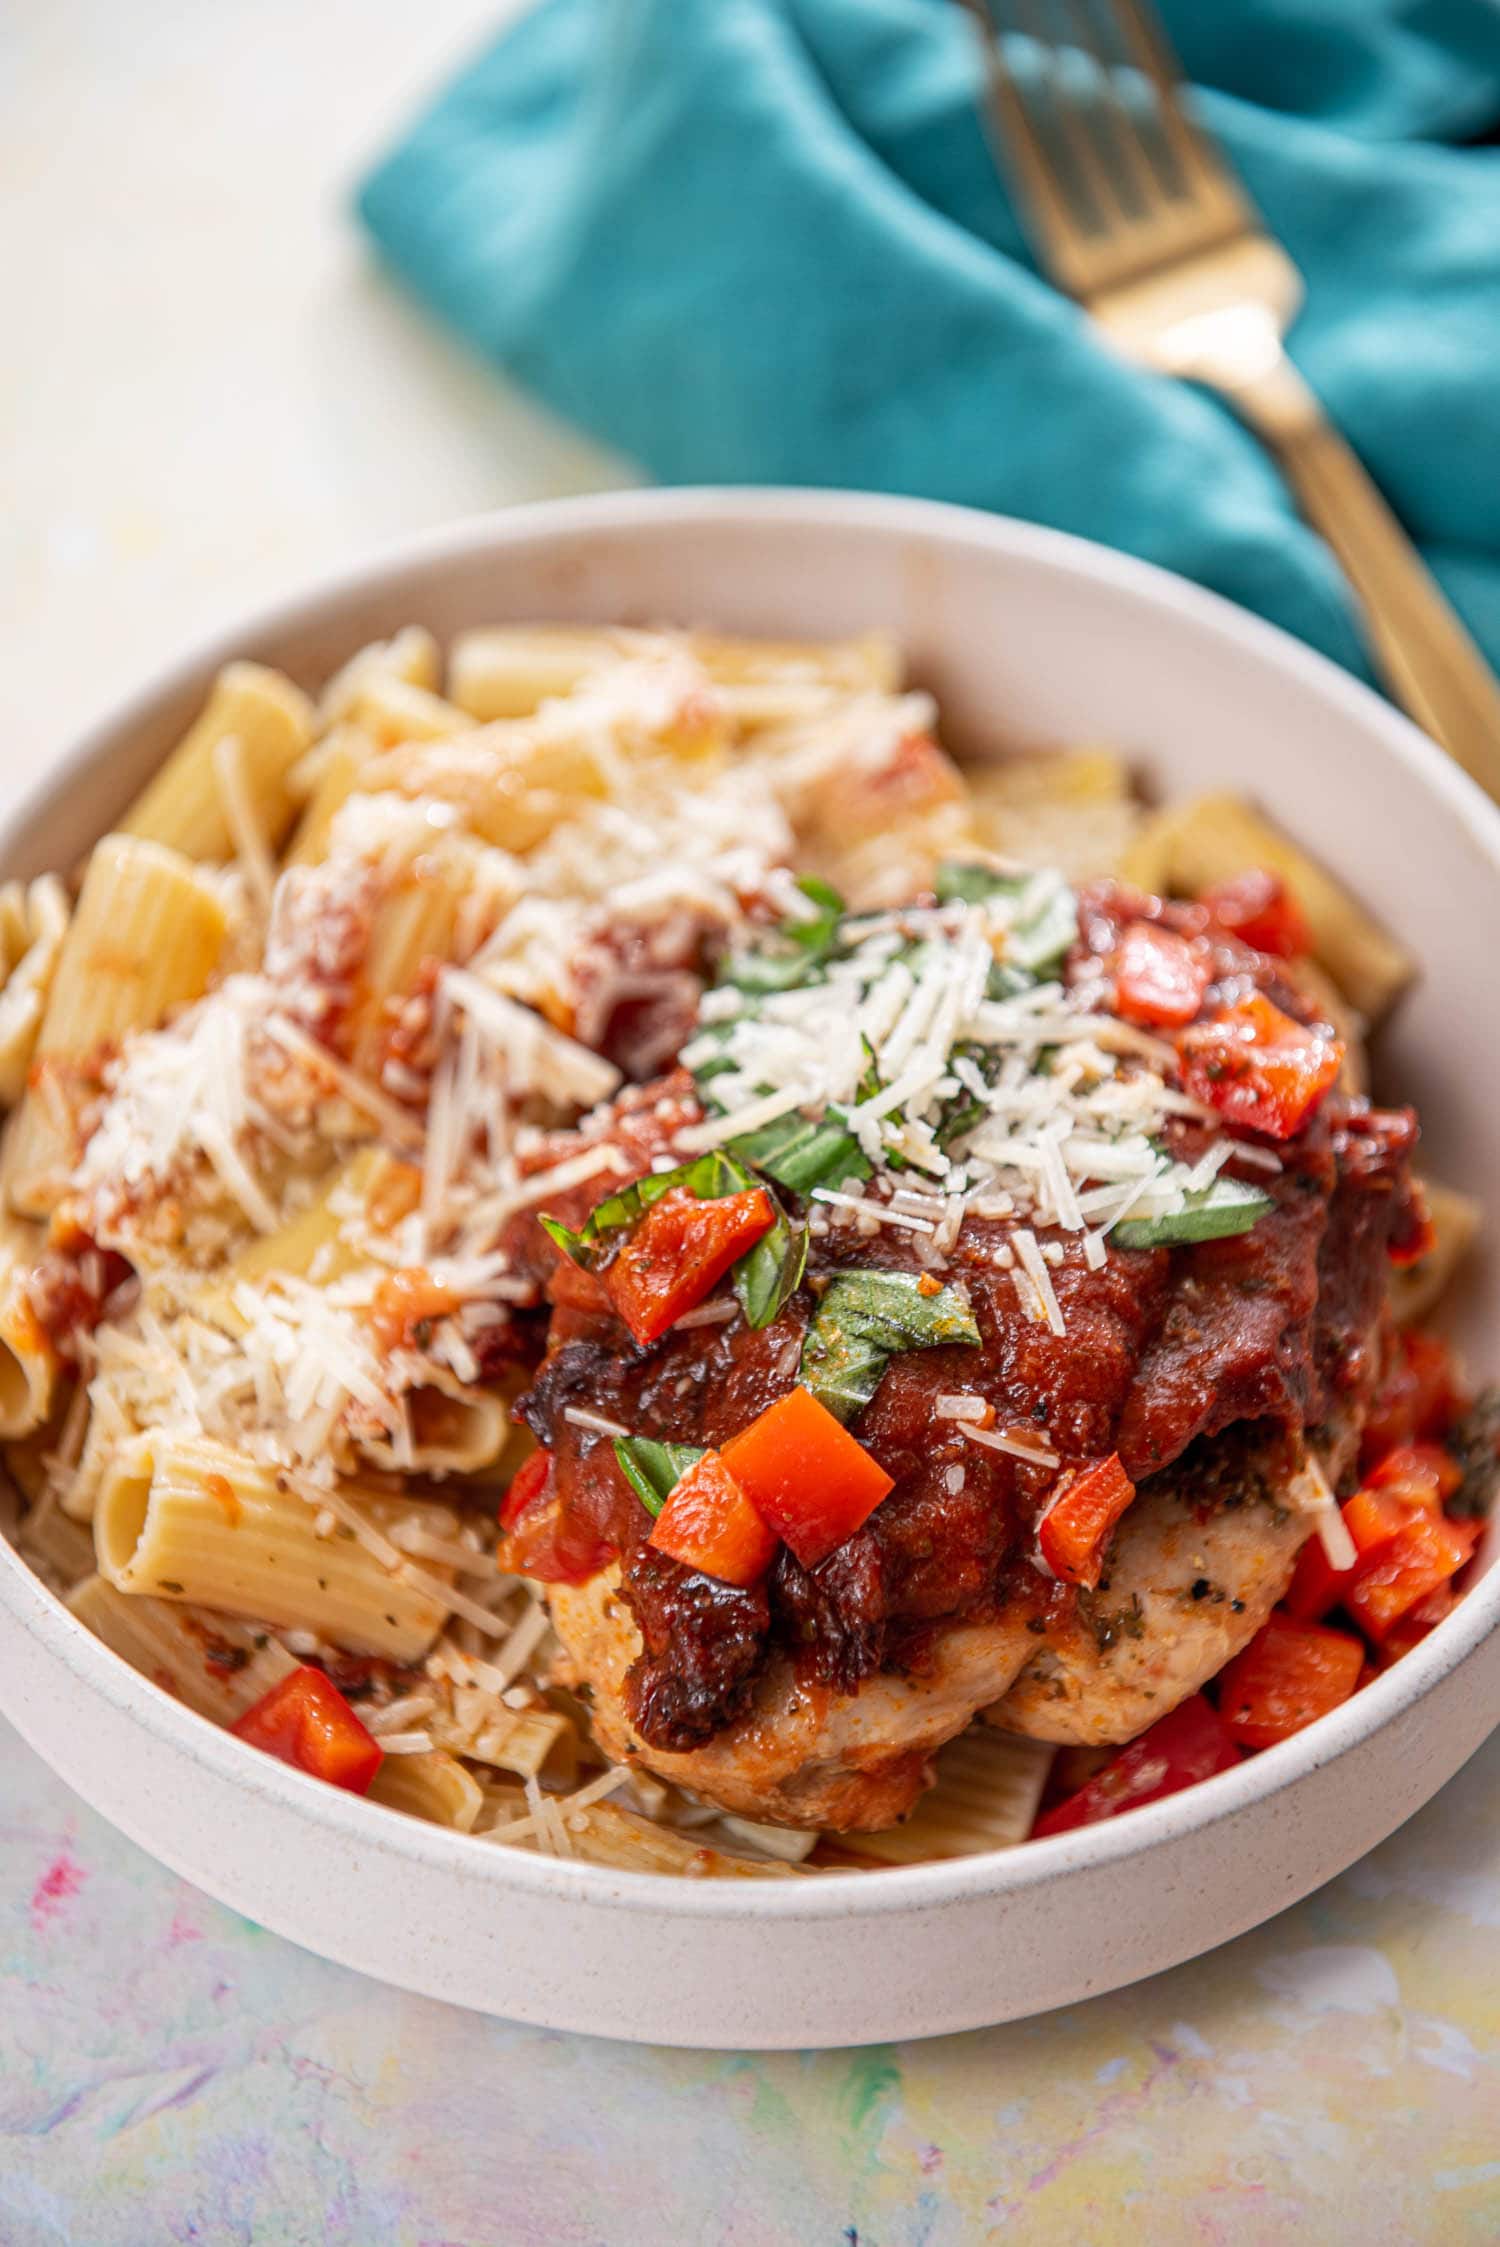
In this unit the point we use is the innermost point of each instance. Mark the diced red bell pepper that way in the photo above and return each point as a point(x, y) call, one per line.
point(677, 1250)
point(1411, 1628)
point(709, 1524)
point(1257, 1067)
point(1418, 1400)
point(1087, 1502)
point(1373, 1519)
point(1160, 978)
point(1414, 1235)
point(1179, 1750)
point(1425, 1554)
point(305, 1720)
point(1420, 1474)
point(1288, 1675)
point(1261, 911)
point(571, 1288)
point(526, 1486)
point(806, 1475)
point(1316, 1586)
point(542, 1539)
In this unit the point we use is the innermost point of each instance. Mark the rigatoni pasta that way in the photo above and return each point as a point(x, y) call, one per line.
point(271, 722)
point(193, 1521)
point(145, 936)
point(209, 1660)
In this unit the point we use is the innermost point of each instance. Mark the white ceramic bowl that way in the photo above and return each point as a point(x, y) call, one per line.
point(1026, 636)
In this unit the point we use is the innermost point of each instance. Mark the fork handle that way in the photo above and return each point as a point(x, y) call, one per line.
point(1426, 655)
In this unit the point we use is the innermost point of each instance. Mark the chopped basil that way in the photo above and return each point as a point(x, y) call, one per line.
point(765, 1277)
point(962, 1110)
point(1212, 1214)
point(1040, 937)
point(709, 1177)
point(800, 1154)
point(1040, 943)
point(864, 1317)
point(653, 1469)
point(956, 883)
point(799, 949)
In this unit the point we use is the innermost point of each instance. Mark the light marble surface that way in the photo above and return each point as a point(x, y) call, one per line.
point(207, 397)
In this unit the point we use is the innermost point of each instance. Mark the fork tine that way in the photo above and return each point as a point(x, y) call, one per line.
point(1119, 155)
point(1024, 158)
point(1205, 180)
point(1046, 24)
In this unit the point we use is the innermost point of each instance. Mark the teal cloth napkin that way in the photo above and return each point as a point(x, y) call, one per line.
point(763, 241)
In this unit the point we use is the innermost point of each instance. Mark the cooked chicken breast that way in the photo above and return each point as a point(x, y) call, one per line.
point(1185, 1591)
point(1184, 1595)
point(799, 1755)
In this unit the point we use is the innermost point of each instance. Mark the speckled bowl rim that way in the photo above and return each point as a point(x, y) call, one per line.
point(834, 1895)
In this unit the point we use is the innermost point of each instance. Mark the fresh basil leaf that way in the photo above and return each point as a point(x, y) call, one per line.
point(820, 928)
point(958, 883)
point(1041, 942)
point(799, 949)
point(864, 1317)
point(653, 1469)
point(1213, 1214)
point(709, 1177)
point(800, 1154)
point(1036, 941)
point(769, 1275)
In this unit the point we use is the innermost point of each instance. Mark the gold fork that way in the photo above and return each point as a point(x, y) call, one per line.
point(1136, 215)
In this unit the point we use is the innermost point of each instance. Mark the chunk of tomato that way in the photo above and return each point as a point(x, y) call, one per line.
point(1160, 977)
point(1418, 1400)
point(1289, 1674)
point(1074, 1530)
point(1419, 1474)
point(542, 1539)
point(1261, 911)
point(305, 1721)
point(806, 1475)
point(1257, 1067)
point(1190, 1744)
point(677, 1250)
point(1425, 1554)
point(709, 1524)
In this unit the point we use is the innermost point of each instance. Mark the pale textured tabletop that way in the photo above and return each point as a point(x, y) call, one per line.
point(205, 399)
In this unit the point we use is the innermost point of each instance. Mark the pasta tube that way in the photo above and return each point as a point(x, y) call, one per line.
point(434, 1786)
point(311, 1245)
point(192, 1520)
point(603, 1834)
point(410, 655)
point(61, 1549)
point(145, 937)
point(477, 1724)
point(989, 1784)
point(392, 710)
point(341, 762)
point(29, 1365)
point(1070, 808)
point(510, 784)
point(454, 1430)
point(213, 1664)
point(35, 922)
point(509, 670)
point(184, 807)
point(1456, 1219)
point(416, 923)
